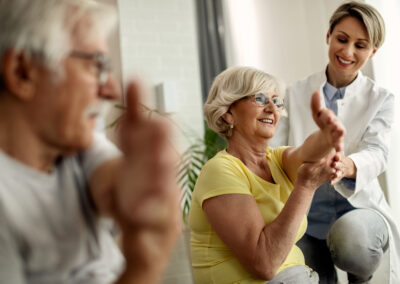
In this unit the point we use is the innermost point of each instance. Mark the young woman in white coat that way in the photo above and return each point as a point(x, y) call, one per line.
point(350, 222)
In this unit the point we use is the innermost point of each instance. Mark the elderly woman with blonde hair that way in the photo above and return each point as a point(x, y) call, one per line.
point(250, 201)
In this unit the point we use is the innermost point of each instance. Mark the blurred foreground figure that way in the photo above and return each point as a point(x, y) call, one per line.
point(61, 185)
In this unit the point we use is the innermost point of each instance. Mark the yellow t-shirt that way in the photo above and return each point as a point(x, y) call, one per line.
point(212, 260)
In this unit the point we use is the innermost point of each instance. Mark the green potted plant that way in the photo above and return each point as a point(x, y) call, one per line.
point(193, 159)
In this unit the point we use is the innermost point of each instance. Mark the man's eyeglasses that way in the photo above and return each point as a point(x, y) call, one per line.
point(262, 100)
point(101, 61)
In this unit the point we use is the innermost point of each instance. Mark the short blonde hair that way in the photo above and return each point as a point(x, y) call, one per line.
point(231, 85)
point(367, 14)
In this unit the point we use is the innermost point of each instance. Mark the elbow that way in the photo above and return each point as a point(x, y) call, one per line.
point(265, 274)
point(265, 270)
point(264, 262)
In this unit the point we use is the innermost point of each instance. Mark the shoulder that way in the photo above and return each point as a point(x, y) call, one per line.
point(222, 160)
point(373, 95)
point(367, 85)
point(276, 154)
point(223, 163)
point(221, 175)
point(381, 91)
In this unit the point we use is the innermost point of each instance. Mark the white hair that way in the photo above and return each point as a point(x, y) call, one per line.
point(231, 85)
point(43, 28)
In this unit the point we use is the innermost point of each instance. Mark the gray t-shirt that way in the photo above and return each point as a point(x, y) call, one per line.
point(49, 231)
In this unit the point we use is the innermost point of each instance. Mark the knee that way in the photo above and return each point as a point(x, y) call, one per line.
point(351, 249)
point(355, 258)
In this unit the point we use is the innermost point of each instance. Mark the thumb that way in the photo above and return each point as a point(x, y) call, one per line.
point(316, 106)
point(132, 118)
point(133, 98)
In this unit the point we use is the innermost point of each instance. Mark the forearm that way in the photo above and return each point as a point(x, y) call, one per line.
point(314, 148)
point(367, 164)
point(277, 238)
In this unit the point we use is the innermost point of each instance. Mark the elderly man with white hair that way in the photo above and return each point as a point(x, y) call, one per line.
point(62, 186)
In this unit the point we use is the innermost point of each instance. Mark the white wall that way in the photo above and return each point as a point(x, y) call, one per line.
point(286, 38)
point(282, 37)
point(159, 44)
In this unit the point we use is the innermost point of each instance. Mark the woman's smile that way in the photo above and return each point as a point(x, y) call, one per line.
point(343, 62)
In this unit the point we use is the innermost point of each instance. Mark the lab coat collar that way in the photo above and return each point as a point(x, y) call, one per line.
point(350, 89)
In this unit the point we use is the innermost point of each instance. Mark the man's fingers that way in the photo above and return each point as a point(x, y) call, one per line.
point(146, 138)
point(133, 98)
point(150, 168)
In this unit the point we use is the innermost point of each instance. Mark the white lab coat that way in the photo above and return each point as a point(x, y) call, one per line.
point(367, 113)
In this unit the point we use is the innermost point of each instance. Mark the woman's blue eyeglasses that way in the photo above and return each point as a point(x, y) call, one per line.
point(262, 99)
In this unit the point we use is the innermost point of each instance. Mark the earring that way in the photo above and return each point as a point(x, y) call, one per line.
point(231, 126)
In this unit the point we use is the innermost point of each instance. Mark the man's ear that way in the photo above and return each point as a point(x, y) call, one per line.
point(19, 73)
point(228, 117)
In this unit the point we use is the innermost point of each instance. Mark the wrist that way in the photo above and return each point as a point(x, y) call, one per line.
point(316, 147)
point(304, 190)
point(350, 168)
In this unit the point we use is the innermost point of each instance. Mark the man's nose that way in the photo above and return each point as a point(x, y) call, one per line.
point(110, 90)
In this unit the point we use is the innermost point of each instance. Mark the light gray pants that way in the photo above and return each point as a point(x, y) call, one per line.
point(355, 244)
point(298, 274)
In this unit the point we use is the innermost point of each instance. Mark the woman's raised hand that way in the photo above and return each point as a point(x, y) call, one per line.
point(328, 122)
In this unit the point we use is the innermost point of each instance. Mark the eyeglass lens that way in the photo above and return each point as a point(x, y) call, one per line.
point(262, 99)
point(101, 62)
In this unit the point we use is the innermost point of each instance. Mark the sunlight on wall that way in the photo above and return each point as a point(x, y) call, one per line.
point(246, 32)
point(285, 38)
